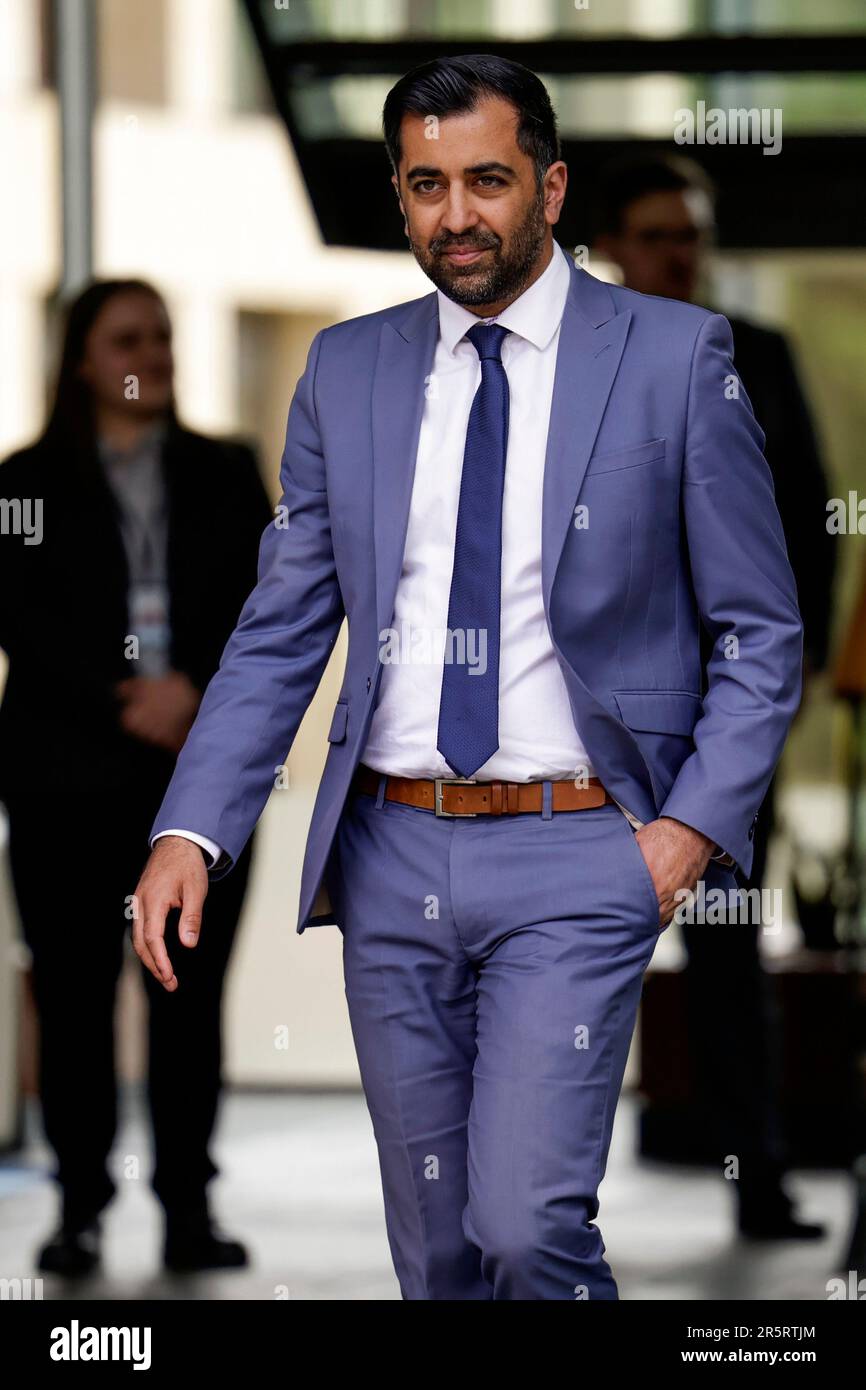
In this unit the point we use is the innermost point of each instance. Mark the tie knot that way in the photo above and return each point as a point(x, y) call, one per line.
point(487, 339)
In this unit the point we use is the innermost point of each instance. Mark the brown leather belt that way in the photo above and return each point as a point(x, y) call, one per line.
point(454, 796)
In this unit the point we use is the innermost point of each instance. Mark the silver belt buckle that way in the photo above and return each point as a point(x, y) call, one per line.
point(438, 784)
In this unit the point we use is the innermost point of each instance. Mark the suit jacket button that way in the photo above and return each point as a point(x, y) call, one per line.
point(369, 682)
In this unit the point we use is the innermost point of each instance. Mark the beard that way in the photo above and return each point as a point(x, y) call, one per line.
point(509, 269)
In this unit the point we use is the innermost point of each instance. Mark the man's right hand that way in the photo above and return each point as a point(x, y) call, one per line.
point(175, 876)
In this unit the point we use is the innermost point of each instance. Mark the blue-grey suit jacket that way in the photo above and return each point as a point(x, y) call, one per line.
point(658, 516)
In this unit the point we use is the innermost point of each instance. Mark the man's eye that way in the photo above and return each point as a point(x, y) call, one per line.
point(424, 184)
point(491, 178)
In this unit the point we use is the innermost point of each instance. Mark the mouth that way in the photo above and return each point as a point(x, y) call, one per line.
point(465, 255)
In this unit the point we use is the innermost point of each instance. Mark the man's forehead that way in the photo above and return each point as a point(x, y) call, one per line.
point(491, 116)
point(665, 206)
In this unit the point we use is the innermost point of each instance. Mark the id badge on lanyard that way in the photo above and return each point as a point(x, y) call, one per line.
point(149, 622)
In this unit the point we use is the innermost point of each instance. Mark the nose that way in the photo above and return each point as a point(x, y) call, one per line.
point(458, 216)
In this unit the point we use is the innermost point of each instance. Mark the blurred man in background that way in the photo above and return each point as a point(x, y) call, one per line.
point(655, 220)
point(113, 623)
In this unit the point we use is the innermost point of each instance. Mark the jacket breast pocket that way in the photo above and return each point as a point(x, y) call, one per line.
point(659, 711)
point(634, 456)
point(337, 731)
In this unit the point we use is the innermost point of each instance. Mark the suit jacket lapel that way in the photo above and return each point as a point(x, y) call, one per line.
point(591, 342)
point(403, 365)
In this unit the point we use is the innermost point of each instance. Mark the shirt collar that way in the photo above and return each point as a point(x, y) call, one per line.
point(534, 315)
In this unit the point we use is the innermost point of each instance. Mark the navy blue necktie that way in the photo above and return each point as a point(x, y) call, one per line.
point(468, 731)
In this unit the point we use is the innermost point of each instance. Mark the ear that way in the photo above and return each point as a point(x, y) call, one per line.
point(555, 184)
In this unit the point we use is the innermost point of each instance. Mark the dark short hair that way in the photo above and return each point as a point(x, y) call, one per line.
point(71, 420)
point(621, 182)
point(451, 86)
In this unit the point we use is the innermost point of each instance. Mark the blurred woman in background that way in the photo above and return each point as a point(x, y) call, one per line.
point(114, 618)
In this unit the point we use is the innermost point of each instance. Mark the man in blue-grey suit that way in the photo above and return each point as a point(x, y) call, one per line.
point(527, 492)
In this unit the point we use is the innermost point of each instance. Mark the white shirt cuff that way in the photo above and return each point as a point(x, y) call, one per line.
point(209, 846)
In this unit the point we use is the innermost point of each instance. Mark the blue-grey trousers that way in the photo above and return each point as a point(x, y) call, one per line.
point(493, 970)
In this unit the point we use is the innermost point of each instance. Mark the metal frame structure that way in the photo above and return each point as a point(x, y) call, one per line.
point(812, 195)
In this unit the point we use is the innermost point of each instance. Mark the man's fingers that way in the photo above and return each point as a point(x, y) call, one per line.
point(148, 939)
point(142, 950)
point(175, 877)
point(154, 938)
point(138, 941)
point(189, 926)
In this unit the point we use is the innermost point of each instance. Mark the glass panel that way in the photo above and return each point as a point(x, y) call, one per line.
point(512, 19)
point(593, 107)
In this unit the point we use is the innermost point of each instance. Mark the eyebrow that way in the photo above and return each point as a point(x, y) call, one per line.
point(490, 166)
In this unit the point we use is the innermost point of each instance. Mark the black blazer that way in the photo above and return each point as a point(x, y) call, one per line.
point(64, 615)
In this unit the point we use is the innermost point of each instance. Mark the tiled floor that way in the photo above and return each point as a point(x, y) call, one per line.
point(299, 1184)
